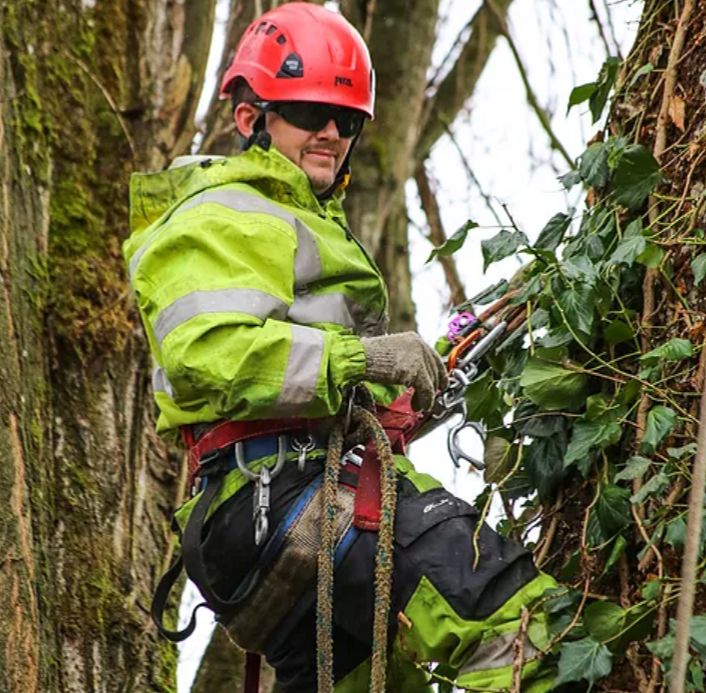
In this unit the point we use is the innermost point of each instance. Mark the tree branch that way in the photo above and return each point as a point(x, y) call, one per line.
point(531, 97)
point(437, 235)
point(458, 86)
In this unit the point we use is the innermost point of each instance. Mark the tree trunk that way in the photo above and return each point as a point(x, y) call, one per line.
point(89, 92)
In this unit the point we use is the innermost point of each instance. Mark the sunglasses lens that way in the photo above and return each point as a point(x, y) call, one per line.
point(315, 116)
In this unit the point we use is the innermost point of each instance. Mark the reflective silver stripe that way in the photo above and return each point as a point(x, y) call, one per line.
point(248, 301)
point(305, 356)
point(495, 654)
point(307, 261)
point(160, 382)
point(308, 309)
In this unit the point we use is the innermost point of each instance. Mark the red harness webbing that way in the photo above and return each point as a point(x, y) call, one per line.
point(399, 421)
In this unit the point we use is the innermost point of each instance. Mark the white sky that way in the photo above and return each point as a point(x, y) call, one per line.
point(509, 154)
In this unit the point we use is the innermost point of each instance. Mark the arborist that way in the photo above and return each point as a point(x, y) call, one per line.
point(267, 322)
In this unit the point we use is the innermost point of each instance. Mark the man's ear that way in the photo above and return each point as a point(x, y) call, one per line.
point(245, 115)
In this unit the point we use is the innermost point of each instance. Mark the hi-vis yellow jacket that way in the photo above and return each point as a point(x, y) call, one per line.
point(253, 294)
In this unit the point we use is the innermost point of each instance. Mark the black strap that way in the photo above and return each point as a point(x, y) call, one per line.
point(192, 559)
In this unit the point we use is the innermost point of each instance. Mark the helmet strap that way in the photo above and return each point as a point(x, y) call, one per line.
point(259, 136)
point(343, 177)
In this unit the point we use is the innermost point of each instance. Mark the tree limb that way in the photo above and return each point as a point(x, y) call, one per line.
point(441, 109)
point(437, 235)
point(531, 96)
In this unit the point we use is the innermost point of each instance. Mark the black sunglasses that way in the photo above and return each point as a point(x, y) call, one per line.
point(315, 116)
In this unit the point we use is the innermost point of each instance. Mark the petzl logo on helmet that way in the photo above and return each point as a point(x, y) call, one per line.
point(343, 81)
point(291, 67)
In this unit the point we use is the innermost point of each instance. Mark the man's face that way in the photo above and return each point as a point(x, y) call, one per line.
point(319, 154)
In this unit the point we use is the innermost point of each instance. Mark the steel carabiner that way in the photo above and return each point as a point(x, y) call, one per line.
point(456, 452)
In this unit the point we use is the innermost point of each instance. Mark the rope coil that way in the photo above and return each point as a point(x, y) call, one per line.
point(367, 427)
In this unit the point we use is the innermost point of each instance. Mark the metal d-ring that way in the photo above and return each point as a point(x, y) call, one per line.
point(302, 446)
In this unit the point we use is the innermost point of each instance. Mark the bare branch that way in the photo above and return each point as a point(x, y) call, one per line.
point(531, 96)
point(599, 25)
point(472, 176)
point(437, 235)
point(459, 84)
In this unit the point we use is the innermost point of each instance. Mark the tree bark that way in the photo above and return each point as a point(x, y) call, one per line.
point(87, 94)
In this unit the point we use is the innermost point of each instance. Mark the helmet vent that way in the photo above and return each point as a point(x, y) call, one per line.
point(291, 67)
point(271, 29)
point(261, 27)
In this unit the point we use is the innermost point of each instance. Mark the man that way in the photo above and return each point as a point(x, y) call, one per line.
point(262, 311)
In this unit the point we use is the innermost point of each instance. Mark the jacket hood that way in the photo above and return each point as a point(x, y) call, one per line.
point(269, 172)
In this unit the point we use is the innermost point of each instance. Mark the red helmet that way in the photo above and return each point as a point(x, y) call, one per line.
point(303, 52)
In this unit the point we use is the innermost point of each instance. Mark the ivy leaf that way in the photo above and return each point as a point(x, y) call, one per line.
point(553, 233)
point(618, 332)
point(588, 435)
point(604, 620)
point(673, 350)
point(593, 165)
point(618, 550)
point(499, 458)
point(551, 386)
point(636, 175)
point(644, 70)
point(578, 301)
point(580, 95)
point(483, 398)
point(528, 291)
point(684, 451)
point(651, 256)
point(568, 180)
point(584, 659)
point(676, 533)
point(581, 268)
point(635, 468)
point(660, 422)
point(454, 243)
point(543, 462)
point(698, 269)
point(656, 485)
point(492, 293)
point(697, 630)
point(630, 246)
point(501, 245)
point(606, 79)
point(613, 509)
point(663, 649)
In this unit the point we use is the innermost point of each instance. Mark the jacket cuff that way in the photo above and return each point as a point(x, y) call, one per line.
point(346, 360)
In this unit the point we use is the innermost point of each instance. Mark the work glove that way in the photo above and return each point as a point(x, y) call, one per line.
point(405, 359)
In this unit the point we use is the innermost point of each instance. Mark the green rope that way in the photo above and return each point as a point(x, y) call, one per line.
point(366, 427)
point(324, 592)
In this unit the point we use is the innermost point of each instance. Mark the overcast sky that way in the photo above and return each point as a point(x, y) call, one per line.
point(509, 155)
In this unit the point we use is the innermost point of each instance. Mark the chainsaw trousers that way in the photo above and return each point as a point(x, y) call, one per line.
point(458, 596)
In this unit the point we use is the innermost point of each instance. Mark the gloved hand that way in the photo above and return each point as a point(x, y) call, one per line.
point(405, 359)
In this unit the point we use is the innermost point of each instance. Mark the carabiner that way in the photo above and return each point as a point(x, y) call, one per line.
point(455, 450)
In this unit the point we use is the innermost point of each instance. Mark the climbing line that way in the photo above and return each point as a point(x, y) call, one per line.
point(367, 426)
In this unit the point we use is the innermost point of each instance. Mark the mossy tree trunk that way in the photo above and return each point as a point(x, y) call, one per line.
point(89, 91)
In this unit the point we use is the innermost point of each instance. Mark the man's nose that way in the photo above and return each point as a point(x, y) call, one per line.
point(330, 131)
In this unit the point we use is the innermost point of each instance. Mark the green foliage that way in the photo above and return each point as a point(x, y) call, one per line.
point(454, 242)
point(502, 245)
point(601, 400)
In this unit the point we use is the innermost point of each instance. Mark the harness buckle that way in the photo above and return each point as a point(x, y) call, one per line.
point(262, 480)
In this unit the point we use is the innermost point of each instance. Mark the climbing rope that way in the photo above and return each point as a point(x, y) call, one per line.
point(366, 427)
